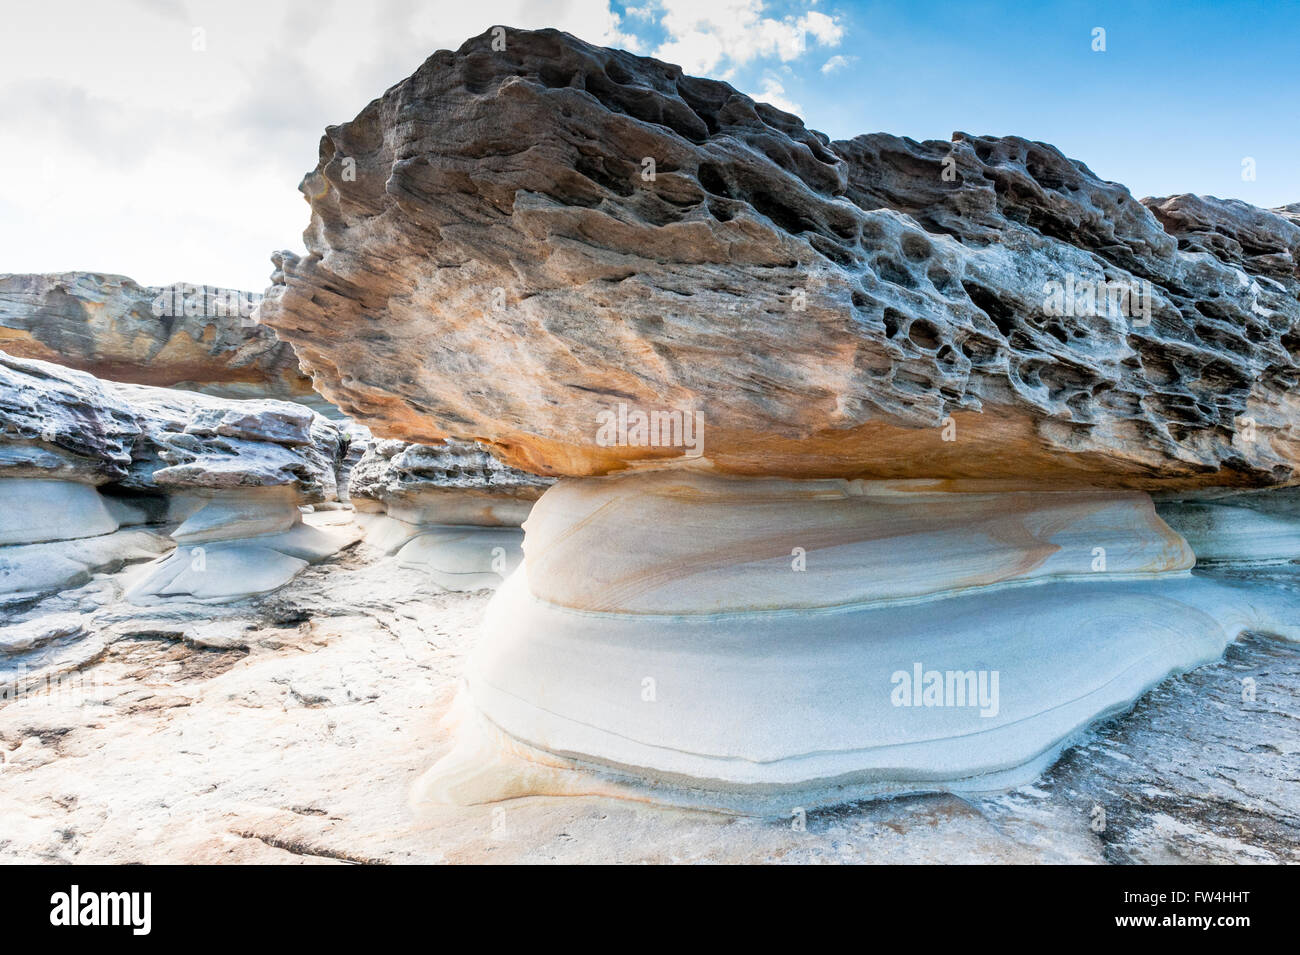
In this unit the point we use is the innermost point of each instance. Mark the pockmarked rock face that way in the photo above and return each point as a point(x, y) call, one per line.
point(455, 482)
point(522, 246)
point(187, 336)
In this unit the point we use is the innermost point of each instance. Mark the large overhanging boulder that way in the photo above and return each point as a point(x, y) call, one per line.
point(516, 245)
point(855, 440)
point(179, 336)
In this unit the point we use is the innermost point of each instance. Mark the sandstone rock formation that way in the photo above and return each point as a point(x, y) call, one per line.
point(450, 510)
point(287, 730)
point(756, 644)
point(887, 415)
point(1247, 527)
point(93, 474)
point(179, 336)
point(537, 235)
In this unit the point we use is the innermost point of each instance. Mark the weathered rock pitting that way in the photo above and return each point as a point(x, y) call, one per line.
point(450, 483)
point(502, 268)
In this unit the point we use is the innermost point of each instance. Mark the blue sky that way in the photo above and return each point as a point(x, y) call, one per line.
point(131, 148)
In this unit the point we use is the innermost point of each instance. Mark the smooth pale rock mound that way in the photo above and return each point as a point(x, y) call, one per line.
point(758, 645)
point(237, 544)
point(219, 574)
point(34, 511)
point(464, 557)
point(824, 307)
point(55, 534)
point(1247, 528)
point(229, 515)
point(623, 545)
point(180, 336)
point(450, 510)
point(29, 571)
point(58, 533)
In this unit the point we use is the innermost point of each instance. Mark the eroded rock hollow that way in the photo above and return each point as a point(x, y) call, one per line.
point(450, 510)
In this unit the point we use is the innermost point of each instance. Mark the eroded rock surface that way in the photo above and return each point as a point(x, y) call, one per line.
point(181, 336)
point(451, 510)
point(93, 475)
point(536, 236)
point(450, 483)
point(58, 423)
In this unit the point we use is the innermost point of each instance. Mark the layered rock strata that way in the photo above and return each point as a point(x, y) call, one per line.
point(1254, 527)
point(755, 645)
point(194, 337)
point(831, 418)
point(56, 534)
point(450, 510)
point(94, 474)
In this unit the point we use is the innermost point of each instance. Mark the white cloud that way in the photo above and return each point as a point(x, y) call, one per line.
point(836, 62)
point(141, 156)
point(128, 151)
point(713, 37)
point(826, 29)
point(774, 92)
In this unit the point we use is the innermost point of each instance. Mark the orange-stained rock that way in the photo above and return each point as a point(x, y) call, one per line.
point(181, 336)
point(512, 245)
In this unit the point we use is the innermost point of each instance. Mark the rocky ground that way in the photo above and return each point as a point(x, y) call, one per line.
point(291, 728)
